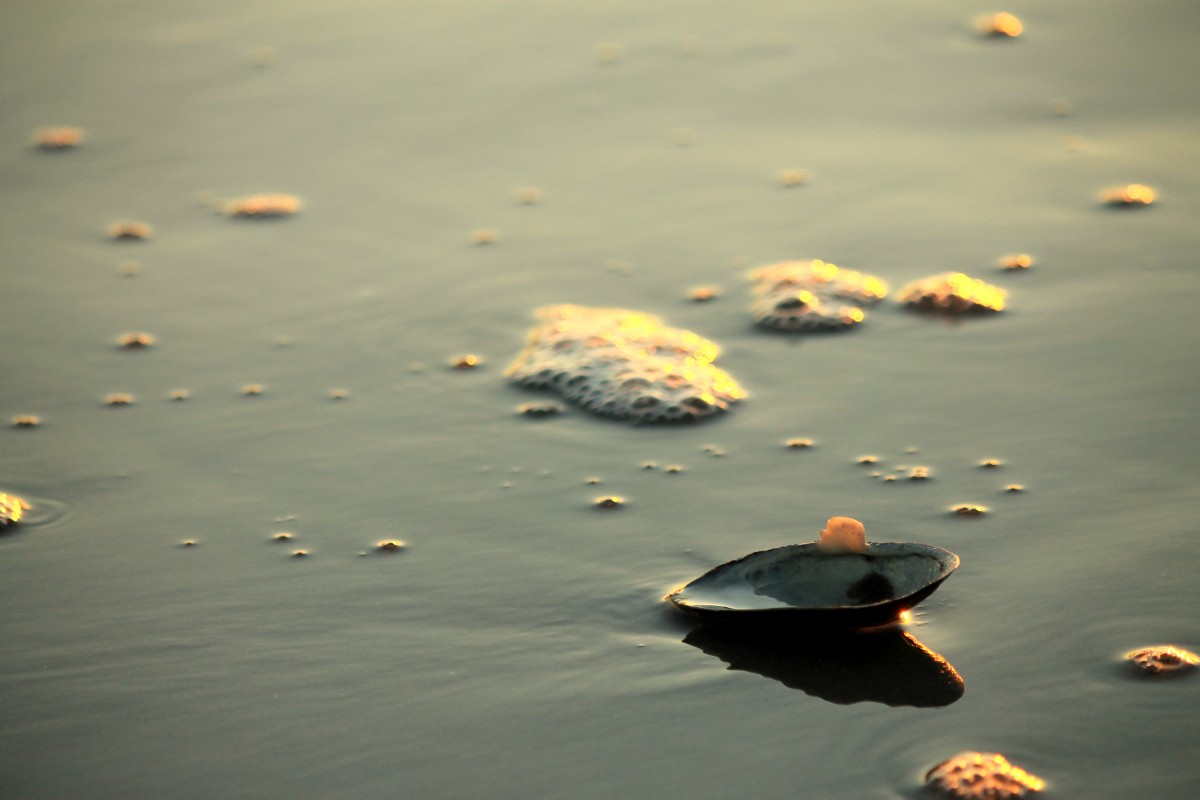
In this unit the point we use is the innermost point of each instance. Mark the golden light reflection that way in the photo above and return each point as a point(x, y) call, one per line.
point(1016, 261)
point(12, 508)
point(906, 617)
point(468, 361)
point(982, 776)
point(1133, 194)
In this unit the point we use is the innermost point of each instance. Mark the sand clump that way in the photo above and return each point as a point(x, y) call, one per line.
point(812, 295)
point(625, 364)
point(953, 293)
point(982, 776)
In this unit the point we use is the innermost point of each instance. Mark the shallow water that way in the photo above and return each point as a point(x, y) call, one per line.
point(519, 646)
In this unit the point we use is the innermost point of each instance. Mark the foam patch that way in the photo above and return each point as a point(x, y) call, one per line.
point(812, 296)
point(624, 364)
point(953, 293)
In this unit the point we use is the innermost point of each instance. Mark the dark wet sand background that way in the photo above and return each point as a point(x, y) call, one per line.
point(518, 648)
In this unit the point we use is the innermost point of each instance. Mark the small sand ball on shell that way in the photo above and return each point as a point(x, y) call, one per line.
point(130, 231)
point(1133, 195)
point(263, 206)
point(982, 776)
point(1162, 659)
point(26, 421)
point(119, 399)
point(58, 137)
point(135, 340)
point(12, 508)
point(624, 364)
point(1001, 26)
point(812, 295)
point(843, 534)
point(953, 293)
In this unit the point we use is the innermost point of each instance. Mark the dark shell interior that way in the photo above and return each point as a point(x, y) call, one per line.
point(802, 577)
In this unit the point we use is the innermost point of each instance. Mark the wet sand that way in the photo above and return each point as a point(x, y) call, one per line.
point(518, 647)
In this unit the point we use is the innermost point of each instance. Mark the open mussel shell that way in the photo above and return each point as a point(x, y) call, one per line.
point(803, 584)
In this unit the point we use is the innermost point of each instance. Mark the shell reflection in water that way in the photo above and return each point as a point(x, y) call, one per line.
point(886, 666)
point(12, 508)
point(803, 584)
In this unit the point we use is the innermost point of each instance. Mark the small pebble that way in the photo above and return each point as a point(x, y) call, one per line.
point(1002, 25)
point(263, 206)
point(592, 480)
point(483, 236)
point(1014, 488)
point(953, 293)
point(263, 56)
point(607, 52)
point(119, 399)
point(58, 137)
point(702, 294)
point(188, 543)
point(968, 510)
point(300, 554)
point(130, 231)
point(527, 195)
point(252, 389)
point(791, 178)
point(468, 361)
point(390, 546)
point(1163, 659)
point(179, 395)
point(889, 478)
point(683, 137)
point(279, 538)
point(609, 502)
point(542, 408)
point(1017, 262)
point(919, 474)
point(649, 465)
point(798, 444)
point(135, 340)
point(1134, 195)
point(26, 421)
point(338, 394)
point(867, 459)
point(990, 463)
point(673, 469)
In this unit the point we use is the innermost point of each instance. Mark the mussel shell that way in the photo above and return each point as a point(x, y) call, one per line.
point(802, 584)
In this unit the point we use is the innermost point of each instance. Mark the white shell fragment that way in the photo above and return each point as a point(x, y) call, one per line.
point(812, 295)
point(624, 364)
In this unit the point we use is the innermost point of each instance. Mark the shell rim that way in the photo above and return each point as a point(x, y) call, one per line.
point(950, 562)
